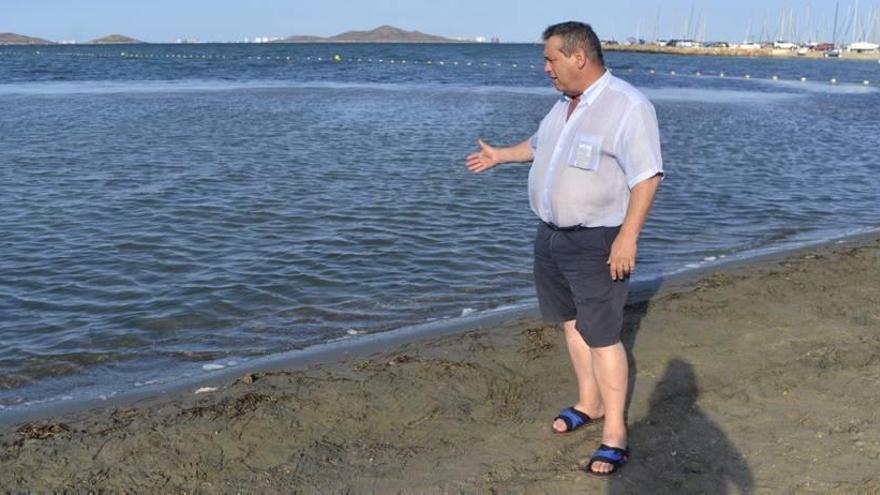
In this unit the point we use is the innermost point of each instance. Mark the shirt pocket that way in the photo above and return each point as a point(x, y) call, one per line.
point(586, 149)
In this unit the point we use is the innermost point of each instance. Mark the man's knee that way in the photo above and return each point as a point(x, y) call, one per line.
point(612, 351)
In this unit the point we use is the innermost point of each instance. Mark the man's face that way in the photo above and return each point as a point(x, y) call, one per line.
point(562, 69)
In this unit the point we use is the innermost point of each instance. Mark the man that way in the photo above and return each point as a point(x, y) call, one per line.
point(596, 168)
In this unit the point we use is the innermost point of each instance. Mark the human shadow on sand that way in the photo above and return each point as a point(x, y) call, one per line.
point(677, 448)
point(641, 297)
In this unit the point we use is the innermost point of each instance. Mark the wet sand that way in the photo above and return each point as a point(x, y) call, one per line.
point(763, 378)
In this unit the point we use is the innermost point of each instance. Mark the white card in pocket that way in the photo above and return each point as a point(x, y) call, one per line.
point(586, 151)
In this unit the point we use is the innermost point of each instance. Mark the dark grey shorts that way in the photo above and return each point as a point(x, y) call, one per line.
point(574, 282)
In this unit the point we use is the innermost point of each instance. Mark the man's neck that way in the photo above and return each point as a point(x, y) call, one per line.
point(590, 79)
point(575, 100)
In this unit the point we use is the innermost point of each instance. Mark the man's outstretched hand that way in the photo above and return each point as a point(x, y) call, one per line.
point(484, 159)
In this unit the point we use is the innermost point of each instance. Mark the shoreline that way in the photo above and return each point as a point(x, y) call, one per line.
point(735, 381)
point(771, 53)
point(335, 351)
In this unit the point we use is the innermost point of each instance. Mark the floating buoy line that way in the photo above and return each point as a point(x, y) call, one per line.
point(339, 59)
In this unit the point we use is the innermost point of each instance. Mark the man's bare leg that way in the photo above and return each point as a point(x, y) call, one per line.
point(589, 398)
point(611, 369)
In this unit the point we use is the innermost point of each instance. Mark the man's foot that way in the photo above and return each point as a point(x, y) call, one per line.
point(572, 418)
point(607, 460)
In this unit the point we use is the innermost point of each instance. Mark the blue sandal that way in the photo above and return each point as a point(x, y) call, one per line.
point(574, 419)
point(612, 455)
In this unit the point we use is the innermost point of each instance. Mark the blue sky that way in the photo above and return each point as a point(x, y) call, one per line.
point(510, 20)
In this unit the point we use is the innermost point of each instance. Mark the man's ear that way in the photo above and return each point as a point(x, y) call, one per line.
point(581, 58)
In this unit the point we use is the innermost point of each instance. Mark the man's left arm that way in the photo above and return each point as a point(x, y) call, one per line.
point(639, 156)
point(622, 261)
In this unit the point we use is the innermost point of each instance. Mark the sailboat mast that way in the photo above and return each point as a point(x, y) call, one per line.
point(690, 21)
point(855, 28)
point(656, 24)
point(702, 36)
point(834, 30)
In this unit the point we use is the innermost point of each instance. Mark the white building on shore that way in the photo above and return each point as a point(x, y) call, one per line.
point(863, 47)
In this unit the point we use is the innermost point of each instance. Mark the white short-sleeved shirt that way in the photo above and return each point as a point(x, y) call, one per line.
point(584, 167)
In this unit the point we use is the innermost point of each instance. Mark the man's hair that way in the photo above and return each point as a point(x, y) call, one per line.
point(577, 35)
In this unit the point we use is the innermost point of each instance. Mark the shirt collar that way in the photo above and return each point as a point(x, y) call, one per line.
point(594, 90)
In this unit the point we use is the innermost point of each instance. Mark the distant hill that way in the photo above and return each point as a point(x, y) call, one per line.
point(18, 39)
point(382, 34)
point(115, 39)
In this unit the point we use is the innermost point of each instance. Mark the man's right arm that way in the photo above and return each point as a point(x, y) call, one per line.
point(490, 156)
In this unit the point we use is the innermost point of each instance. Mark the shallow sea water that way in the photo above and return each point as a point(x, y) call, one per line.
point(168, 210)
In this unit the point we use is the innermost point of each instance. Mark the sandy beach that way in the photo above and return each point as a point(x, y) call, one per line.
point(762, 378)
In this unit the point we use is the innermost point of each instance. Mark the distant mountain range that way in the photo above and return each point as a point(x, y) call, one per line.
point(382, 34)
point(18, 39)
